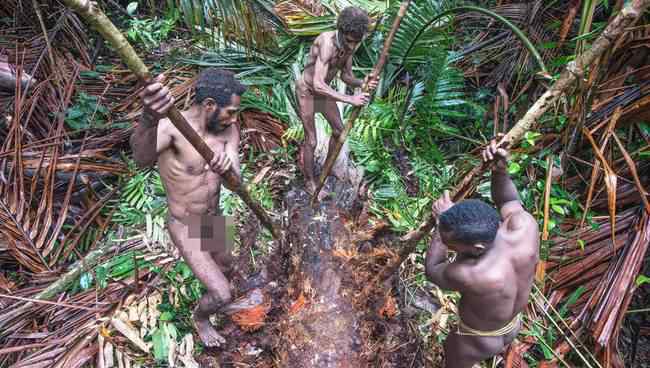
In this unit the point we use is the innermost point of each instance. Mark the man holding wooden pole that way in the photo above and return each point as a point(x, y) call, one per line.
point(330, 54)
point(193, 184)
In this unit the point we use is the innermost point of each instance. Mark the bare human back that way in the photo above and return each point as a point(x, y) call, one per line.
point(497, 253)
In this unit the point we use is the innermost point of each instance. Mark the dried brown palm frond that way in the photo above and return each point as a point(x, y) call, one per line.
point(494, 55)
point(262, 130)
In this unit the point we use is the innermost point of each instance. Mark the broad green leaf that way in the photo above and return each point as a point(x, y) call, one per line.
point(160, 344)
point(132, 7)
point(513, 168)
point(167, 316)
point(642, 279)
point(558, 209)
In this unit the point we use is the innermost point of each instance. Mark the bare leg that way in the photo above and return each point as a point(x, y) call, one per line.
point(209, 273)
point(464, 351)
point(331, 112)
point(306, 104)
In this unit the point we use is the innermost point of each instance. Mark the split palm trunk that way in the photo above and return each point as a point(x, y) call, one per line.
point(328, 322)
point(575, 69)
point(98, 20)
point(332, 156)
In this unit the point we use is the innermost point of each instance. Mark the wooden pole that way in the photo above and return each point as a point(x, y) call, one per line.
point(98, 20)
point(374, 74)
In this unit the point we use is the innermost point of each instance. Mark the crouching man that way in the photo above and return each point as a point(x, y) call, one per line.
point(494, 269)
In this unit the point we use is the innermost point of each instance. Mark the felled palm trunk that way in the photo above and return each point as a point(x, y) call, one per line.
point(332, 320)
point(321, 328)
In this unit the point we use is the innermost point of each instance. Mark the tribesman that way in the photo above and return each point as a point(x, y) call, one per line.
point(494, 269)
point(192, 184)
point(331, 52)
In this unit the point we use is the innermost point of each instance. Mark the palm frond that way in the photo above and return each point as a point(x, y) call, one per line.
point(250, 22)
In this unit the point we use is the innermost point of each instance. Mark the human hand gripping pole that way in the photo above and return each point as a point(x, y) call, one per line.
point(100, 22)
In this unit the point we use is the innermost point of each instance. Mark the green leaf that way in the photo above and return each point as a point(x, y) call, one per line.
point(581, 243)
point(86, 280)
point(184, 270)
point(102, 275)
point(74, 113)
point(513, 168)
point(530, 137)
point(132, 7)
point(642, 279)
point(167, 316)
point(104, 68)
point(89, 74)
point(160, 343)
point(558, 209)
point(571, 300)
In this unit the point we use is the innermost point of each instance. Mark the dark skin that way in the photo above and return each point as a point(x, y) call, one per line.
point(315, 94)
point(495, 279)
point(192, 185)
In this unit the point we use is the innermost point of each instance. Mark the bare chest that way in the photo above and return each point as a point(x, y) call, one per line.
point(190, 162)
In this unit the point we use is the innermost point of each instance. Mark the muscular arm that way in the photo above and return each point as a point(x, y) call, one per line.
point(325, 52)
point(148, 140)
point(348, 77)
point(505, 196)
point(502, 187)
point(448, 276)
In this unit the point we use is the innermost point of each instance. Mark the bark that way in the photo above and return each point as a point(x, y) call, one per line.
point(329, 321)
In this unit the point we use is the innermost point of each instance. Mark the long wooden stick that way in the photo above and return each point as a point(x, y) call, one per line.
point(374, 74)
point(98, 20)
point(575, 69)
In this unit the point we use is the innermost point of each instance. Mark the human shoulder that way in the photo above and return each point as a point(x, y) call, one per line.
point(325, 45)
point(230, 132)
point(166, 129)
point(516, 218)
point(522, 222)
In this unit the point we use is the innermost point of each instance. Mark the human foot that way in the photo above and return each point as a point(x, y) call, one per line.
point(208, 333)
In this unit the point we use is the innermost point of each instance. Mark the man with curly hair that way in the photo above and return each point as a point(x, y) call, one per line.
point(494, 269)
point(193, 185)
point(330, 53)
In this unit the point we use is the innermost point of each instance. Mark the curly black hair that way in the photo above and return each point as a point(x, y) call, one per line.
point(354, 21)
point(470, 222)
point(219, 85)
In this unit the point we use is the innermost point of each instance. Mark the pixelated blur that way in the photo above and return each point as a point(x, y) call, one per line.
point(216, 233)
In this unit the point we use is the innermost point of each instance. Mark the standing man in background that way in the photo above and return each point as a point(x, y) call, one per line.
point(330, 54)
